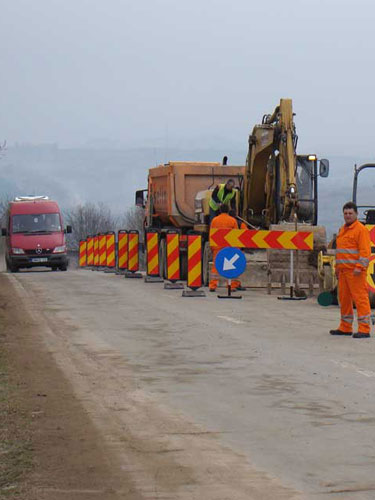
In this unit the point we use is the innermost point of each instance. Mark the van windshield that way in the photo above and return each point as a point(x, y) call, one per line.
point(36, 223)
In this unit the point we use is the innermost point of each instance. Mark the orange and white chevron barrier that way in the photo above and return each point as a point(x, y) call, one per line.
point(133, 255)
point(82, 253)
point(248, 238)
point(90, 251)
point(194, 277)
point(96, 250)
point(111, 249)
point(102, 250)
point(122, 250)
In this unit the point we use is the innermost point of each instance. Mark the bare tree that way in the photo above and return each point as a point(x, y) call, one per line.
point(134, 219)
point(4, 206)
point(89, 219)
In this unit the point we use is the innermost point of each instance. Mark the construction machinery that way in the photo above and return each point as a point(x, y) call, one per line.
point(279, 185)
point(326, 260)
point(275, 186)
point(280, 192)
point(177, 199)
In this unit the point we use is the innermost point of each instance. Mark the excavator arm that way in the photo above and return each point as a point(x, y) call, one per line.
point(270, 190)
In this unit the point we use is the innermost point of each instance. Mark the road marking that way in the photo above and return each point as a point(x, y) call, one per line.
point(232, 320)
point(345, 364)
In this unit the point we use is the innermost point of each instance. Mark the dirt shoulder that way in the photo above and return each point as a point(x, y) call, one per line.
point(49, 447)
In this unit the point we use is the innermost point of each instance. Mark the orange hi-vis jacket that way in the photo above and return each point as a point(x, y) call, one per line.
point(353, 247)
point(224, 221)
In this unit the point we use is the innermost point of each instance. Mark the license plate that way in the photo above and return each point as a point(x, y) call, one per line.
point(40, 259)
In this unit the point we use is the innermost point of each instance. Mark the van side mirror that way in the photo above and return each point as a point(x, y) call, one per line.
point(68, 229)
point(140, 198)
point(4, 232)
point(324, 168)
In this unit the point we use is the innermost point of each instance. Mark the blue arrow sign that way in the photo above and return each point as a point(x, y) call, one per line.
point(230, 262)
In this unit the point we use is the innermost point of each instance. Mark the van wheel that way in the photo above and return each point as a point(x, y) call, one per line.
point(11, 269)
point(63, 268)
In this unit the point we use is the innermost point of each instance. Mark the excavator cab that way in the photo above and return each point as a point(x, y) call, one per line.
point(370, 216)
point(307, 186)
point(367, 212)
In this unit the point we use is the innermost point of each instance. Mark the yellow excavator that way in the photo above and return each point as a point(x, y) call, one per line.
point(279, 190)
point(279, 185)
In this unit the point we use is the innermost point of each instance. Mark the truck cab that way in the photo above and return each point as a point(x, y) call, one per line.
point(35, 235)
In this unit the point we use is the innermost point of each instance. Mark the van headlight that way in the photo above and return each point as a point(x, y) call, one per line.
point(61, 249)
point(18, 251)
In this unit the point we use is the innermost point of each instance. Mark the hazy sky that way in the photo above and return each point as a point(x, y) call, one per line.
point(194, 72)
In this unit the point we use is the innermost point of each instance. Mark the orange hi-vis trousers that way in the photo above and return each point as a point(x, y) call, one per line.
point(214, 281)
point(353, 288)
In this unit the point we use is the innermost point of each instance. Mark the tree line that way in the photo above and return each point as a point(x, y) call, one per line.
point(94, 218)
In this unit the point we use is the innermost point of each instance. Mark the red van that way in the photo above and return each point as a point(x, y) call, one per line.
point(35, 235)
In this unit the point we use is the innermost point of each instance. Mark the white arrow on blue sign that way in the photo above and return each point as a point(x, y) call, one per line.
point(230, 262)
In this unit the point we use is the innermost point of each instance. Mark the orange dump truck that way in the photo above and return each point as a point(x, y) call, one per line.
point(177, 199)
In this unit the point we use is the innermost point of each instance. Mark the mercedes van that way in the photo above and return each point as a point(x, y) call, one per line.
point(35, 235)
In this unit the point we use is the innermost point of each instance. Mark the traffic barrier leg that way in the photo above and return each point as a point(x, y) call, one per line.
point(133, 255)
point(152, 257)
point(194, 279)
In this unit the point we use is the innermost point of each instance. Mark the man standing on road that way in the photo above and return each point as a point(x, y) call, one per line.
point(223, 194)
point(353, 249)
point(222, 221)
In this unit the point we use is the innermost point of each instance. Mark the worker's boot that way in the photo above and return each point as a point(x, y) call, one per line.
point(236, 285)
point(361, 335)
point(340, 332)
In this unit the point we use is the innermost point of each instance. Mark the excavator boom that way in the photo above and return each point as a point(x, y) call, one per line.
point(270, 188)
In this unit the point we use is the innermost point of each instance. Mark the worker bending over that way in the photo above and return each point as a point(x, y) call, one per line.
point(223, 194)
point(222, 221)
point(353, 249)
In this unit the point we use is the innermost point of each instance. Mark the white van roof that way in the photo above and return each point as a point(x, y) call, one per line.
point(31, 198)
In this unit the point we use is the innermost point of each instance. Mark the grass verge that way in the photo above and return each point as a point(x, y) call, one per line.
point(15, 427)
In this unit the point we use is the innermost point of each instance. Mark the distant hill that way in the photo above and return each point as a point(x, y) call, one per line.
point(74, 176)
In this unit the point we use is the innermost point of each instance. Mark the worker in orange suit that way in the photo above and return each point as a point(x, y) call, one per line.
point(222, 221)
point(353, 249)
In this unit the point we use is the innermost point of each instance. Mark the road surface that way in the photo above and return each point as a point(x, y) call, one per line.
point(201, 398)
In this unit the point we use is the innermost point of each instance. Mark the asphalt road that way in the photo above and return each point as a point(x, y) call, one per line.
point(261, 378)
